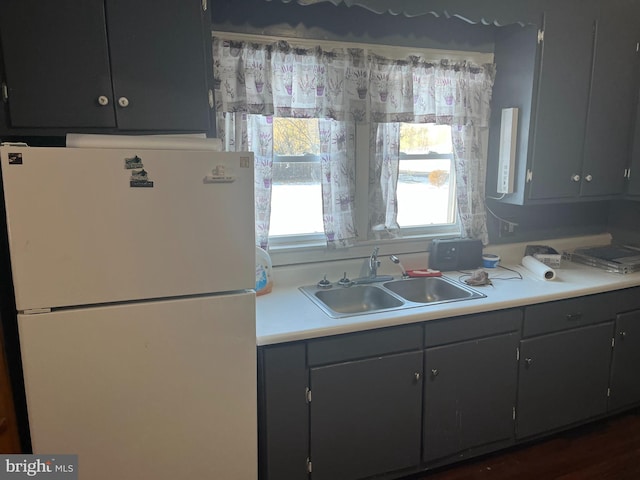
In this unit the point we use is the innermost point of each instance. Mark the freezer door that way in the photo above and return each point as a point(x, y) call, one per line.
point(84, 228)
point(158, 390)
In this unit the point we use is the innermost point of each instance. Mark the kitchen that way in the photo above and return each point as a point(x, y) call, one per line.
point(571, 215)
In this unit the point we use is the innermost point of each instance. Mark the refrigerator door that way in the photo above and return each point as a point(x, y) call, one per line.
point(152, 390)
point(82, 231)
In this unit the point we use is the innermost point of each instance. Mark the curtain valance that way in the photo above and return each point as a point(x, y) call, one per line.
point(348, 84)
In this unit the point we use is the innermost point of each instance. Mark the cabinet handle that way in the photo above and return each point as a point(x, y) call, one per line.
point(102, 100)
point(123, 102)
point(574, 316)
point(528, 362)
point(575, 177)
point(588, 178)
point(622, 334)
point(417, 376)
point(434, 372)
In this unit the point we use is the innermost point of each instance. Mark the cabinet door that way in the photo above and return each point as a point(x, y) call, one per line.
point(563, 379)
point(158, 64)
point(612, 100)
point(283, 412)
point(365, 416)
point(56, 63)
point(633, 188)
point(625, 381)
point(562, 101)
point(470, 393)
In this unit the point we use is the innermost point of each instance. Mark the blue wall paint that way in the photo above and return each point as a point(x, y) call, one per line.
point(326, 21)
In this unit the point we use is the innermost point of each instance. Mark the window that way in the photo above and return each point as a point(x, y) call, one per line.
point(426, 190)
point(334, 167)
point(296, 196)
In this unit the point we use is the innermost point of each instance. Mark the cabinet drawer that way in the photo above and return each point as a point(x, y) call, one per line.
point(440, 332)
point(566, 314)
point(364, 344)
point(625, 300)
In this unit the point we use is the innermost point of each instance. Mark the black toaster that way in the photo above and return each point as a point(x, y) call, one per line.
point(455, 254)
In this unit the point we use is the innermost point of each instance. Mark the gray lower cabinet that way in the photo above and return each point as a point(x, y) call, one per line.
point(393, 401)
point(283, 412)
point(625, 380)
point(366, 416)
point(470, 393)
point(563, 378)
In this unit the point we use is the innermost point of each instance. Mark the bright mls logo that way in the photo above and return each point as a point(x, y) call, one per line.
point(51, 467)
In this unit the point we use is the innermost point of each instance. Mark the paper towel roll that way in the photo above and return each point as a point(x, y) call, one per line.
point(538, 268)
point(144, 142)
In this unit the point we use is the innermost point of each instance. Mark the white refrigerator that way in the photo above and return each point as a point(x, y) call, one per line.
point(133, 273)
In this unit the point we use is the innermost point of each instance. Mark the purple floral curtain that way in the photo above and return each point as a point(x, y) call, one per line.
point(346, 86)
point(456, 94)
point(276, 79)
point(337, 161)
point(383, 180)
point(261, 144)
point(242, 132)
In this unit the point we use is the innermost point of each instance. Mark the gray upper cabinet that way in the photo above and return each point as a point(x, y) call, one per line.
point(611, 105)
point(634, 177)
point(56, 61)
point(562, 102)
point(576, 115)
point(103, 65)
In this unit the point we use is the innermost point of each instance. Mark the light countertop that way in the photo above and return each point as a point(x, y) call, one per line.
point(286, 314)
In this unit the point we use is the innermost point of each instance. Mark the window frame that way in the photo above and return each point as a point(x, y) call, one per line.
point(302, 248)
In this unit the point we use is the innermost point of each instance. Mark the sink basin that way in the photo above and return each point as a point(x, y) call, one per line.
point(339, 301)
point(427, 290)
point(356, 299)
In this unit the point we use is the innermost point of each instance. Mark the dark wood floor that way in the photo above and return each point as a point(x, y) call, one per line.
point(606, 450)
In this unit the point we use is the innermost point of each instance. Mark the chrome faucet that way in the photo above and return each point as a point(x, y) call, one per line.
point(374, 263)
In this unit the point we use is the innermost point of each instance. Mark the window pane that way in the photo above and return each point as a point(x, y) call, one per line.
point(296, 196)
point(425, 185)
point(425, 138)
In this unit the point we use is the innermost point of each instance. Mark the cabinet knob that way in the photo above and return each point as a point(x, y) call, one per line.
point(588, 178)
point(528, 362)
point(123, 102)
point(417, 376)
point(434, 372)
point(103, 100)
point(622, 334)
point(575, 177)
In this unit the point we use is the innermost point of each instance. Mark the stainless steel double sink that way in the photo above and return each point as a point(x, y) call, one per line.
point(343, 301)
